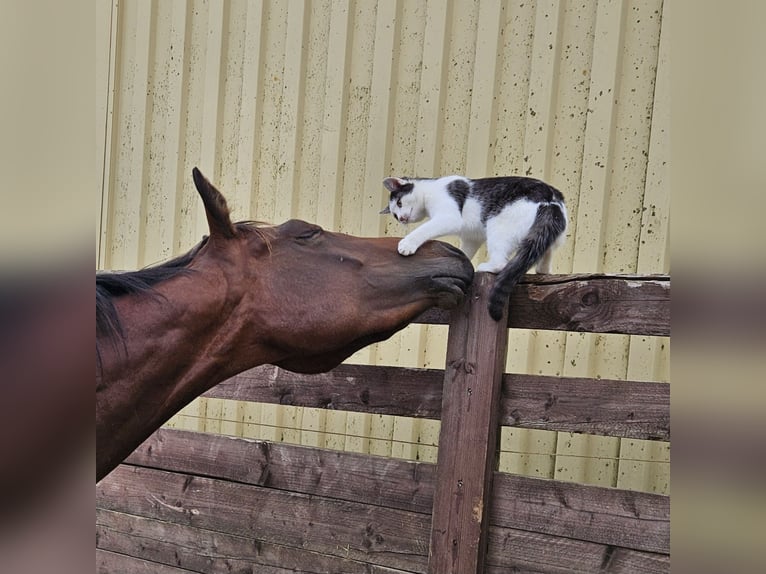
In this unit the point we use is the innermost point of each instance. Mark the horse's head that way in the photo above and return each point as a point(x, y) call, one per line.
point(314, 297)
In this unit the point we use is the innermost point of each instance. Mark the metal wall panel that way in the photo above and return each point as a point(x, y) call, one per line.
point(300, 109)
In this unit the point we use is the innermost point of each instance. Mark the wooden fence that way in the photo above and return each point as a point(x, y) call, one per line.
point(195, 502)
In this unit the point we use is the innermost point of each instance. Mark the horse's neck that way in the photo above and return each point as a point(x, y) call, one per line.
point(170, 354)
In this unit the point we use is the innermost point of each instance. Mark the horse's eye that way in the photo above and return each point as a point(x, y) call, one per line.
point(310, 234)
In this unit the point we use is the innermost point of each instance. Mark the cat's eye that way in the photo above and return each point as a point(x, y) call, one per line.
point(398, 203)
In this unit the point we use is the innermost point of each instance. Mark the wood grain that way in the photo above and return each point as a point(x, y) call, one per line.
point(594, 406)
point(513, 550)
point(468, 438)
point(559, 513)
point(111, 562)
point(361, 388)
point(351, 530)
point(625, 409)
point(373, 480)
point(610, 516)
point(592, 303)
point(210, 552)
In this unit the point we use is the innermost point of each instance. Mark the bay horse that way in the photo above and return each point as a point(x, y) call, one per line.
point(292, 295)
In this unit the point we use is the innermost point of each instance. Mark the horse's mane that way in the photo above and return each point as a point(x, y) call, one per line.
point(112, 285)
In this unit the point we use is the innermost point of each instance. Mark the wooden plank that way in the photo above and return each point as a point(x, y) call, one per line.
point(606, 516)
point(595, 304)
point(209, 552)
point(362, 388)
point(625, 409)
point(603, 407)
point(468, 438)
point(534, 553)
point(111, 562)
point(383, 536)
point(380, 481)
point(624, 518)
point(626, 304)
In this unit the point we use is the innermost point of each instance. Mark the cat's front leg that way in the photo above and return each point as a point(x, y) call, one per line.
point(431, 229)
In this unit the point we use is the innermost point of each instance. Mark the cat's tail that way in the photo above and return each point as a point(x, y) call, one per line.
point(550, 222)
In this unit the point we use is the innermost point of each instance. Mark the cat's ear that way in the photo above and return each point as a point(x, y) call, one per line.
point(386, 211)
point(393, 183)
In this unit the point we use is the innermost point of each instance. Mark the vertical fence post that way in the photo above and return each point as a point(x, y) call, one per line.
point(468, 439)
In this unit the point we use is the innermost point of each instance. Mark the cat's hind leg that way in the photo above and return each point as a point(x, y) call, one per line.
point(499, 250)
point(503, 238)
point(470, 246)
point(544, 265)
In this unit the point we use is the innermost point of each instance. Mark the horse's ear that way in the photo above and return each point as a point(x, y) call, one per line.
point(393, 183)
point(216, 209)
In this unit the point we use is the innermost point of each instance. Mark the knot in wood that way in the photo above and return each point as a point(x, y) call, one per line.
point(590, 298)
point(286, 396)
point(463, 365)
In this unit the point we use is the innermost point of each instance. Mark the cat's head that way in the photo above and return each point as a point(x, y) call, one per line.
point(403, 204)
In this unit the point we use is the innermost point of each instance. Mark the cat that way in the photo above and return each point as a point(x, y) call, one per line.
point(516, 216)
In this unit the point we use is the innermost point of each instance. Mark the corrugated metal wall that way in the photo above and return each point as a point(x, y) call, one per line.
point(300, 109)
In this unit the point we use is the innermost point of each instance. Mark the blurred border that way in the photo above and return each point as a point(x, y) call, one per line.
point(49, 179)
point(718, 177)
point(50, 173)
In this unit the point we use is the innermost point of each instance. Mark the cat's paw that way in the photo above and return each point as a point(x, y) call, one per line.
point(407, 246)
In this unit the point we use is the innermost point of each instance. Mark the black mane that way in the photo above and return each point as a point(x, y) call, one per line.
point(112, 285)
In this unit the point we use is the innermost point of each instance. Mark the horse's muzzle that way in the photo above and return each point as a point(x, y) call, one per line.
point(450, 275)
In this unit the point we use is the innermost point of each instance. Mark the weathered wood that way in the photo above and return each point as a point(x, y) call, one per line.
point(112, 562)
point(609, 516)
point(604, 515)
point(362, 388)
point(625, 409)
point(595, 303)
point(468, 438)
point(374, 480)
point(534, 553)
point(374, 534)
point(212, 552)
point(595, 406)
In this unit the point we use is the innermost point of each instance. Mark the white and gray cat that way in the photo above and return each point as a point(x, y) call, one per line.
point(521, 219)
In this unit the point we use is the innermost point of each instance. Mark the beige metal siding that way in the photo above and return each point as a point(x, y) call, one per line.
point(300, 109)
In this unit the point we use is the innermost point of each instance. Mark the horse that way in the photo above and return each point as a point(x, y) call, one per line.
point(292, 295)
